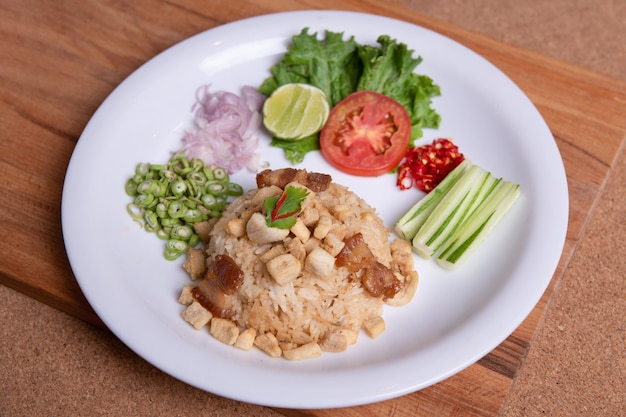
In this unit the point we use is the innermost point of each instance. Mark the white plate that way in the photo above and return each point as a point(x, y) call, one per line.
point(455, 317)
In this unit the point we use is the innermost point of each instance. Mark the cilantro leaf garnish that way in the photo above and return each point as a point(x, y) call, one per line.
point(282, 211)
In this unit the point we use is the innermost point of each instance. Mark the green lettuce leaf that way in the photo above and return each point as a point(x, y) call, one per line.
point(390, 70)
point(296, 150)
point(330, 64)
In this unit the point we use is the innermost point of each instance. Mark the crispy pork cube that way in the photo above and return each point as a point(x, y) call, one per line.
point(203, 229)
point(310, 215)
point(319, 262)
point(287, 345)
point(341, 211)
point(264, 192)
point(350, 334)
point(224, 330)
point(332, 244)
point(196, 315)
point(284, 268)
point(195, 264)
point(297, 249)
point(236, 227)
point(268, 343)
point(369, 217)
point(245, 340)
point(323, 227)
point(301, 231)
point(259, 232)
point(273, 252)
point(186, 297)
point(340, 230)
point(374, 326)
point(306, 351)
point(311, 244)
point(402, 255)
point(334, 342)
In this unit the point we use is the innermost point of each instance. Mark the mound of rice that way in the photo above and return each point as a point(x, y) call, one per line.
point(321, 307)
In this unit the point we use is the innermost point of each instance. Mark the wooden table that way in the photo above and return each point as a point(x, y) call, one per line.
point(61, 59)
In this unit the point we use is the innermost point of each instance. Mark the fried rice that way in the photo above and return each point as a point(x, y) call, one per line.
point(292, 295)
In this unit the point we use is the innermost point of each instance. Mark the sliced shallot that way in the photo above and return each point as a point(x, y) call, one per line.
point(225, 130)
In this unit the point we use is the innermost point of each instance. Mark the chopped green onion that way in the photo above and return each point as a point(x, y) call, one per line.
point(233, 189)
point(215, 188)
point(142, 169)
point(182, 170)
point(192, 216)
point(182, 232)
point(215, 213)
point(198, 178)
point(163, 233)
point(221, 201)
point(208, 173)
point(192, 188)
point(196, 165)
point(194, 240)
point(171, 255)
point(147, 187)
point(144, 200)
point(169, 198)
point(170, 222)
point(179, 187)
point(176, 209)
point(131, 188)
point(158, 167)
point(209, 200)
point(152, 221)
point(189, 203)
point(220, 174)
point(169, 174)
point(134, 210)
point(161, 188)
point(177, 245)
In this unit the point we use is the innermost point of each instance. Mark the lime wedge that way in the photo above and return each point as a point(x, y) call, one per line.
point(295, 111)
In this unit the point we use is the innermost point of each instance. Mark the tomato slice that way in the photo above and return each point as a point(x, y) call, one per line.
point(366, 134)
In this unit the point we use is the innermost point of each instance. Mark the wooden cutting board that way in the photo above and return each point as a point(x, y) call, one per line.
point(586, 113)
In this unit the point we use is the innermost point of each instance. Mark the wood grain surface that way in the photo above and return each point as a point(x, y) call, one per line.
point(61, 60)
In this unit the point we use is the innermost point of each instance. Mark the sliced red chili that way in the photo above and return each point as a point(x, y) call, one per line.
point(426, 166)
point(279, 203)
